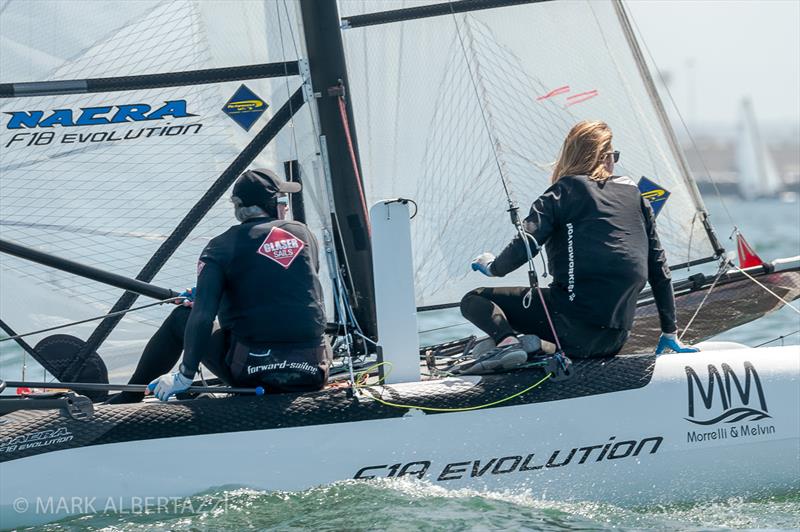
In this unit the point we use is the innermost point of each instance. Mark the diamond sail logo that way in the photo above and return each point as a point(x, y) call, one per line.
point(654, 193)
point(245, 107)
point(724, 397)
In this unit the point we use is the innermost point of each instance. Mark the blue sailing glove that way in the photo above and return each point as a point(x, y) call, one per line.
point(482, 263)
point(670, 341)
point(188, 297)
point(169, 384)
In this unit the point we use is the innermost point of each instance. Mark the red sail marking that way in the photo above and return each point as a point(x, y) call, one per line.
point(747, 256)
point(554, 92)
point(581, 97)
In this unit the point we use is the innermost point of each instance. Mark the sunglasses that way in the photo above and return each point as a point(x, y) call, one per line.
point(614, 153)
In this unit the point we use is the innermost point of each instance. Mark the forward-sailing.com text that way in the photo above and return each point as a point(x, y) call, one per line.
point(120, 505)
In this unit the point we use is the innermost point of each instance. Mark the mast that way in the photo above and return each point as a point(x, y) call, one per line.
point(667, 128)
point(329, 77)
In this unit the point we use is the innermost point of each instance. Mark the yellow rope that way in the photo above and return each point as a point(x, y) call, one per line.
point(464, 409)
point(361, 377)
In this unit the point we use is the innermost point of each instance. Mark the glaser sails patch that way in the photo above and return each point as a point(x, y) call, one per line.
point(281, 246)
point(45, 122)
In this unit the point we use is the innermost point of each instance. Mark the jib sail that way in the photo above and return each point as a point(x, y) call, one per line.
point(421, 75)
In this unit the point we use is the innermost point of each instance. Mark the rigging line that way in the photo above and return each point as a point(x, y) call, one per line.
point(87, 320)
point(288, 89)
point(373, 395)
point(446, 327)
point(86, 230)
point(319, 151)
point(352, 150)
point(680, 117)
point(513, 209)
point(781, 337)
point(691, 237)
point(297, 56)
point(632, 102)
point(480, 106)
point(291, 31)
point(722, 269)
point(322, 158)
point(788, 304)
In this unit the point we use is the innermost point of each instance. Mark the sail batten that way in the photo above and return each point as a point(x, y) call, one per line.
point(427, 9)
point(149, 81)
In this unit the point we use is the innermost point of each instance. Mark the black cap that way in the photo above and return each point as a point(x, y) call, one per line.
point(257, 187)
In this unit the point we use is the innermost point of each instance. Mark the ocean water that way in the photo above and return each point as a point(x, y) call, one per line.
point(771, 227)
point(402, 505)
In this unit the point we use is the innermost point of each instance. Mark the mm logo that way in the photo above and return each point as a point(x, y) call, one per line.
point(723, 397)
point(95, 116)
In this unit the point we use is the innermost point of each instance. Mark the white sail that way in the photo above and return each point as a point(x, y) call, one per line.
point(758, 176)
point(418, 89)
point(111, 203)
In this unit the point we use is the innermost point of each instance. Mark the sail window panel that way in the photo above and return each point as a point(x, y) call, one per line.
point(537, 70)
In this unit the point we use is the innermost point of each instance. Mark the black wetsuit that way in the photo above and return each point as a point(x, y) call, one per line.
point(602, 248)
point(260, 279)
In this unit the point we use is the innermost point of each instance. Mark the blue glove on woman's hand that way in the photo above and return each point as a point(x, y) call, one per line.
point(670, 341)
point(188, 297)
point(169, 384)
point(482, 263)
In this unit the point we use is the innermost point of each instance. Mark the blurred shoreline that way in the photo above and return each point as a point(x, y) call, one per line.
point(711, 155)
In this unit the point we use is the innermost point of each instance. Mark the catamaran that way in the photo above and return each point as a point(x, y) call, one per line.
point(413, 127)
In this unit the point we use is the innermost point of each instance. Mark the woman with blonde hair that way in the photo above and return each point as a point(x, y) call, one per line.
point(602, 248)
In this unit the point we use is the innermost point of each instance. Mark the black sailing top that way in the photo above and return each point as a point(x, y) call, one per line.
point(602, 247)
point(260, 278)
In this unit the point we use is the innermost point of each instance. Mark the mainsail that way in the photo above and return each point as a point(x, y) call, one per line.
point(420, 89)
point(104, 178)
point(118, 150)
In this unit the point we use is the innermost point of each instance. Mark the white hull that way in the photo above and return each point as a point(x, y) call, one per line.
point(458, 446)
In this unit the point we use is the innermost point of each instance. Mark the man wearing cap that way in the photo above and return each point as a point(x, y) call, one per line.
point(259, 278)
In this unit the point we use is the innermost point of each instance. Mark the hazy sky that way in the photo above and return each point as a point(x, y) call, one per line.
point(737, 47)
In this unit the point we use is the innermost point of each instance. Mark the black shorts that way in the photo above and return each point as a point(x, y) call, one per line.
point(279, 369)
